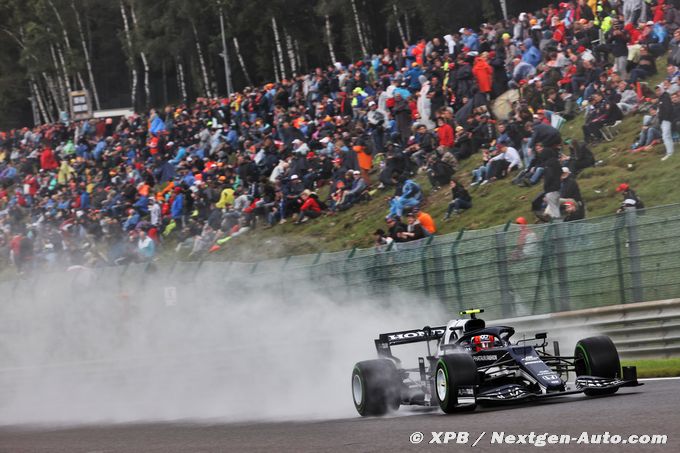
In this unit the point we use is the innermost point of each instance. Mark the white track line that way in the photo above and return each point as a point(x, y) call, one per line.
point(660, 379)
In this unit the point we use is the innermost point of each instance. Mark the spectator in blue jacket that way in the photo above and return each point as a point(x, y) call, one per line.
point(530, 53)
point(408, 196)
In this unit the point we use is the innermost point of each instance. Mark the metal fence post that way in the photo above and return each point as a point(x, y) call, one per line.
point(618, 225)
point(544, 267)
point(423, 264)
point(504, 281)
point(634, 255)
point(561, 262)
point(350, 255)
point(456, 269)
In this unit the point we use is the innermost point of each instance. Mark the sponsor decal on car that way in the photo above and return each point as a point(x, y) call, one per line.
point(485, 357)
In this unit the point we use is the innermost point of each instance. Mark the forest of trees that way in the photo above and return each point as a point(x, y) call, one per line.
point(143, 53)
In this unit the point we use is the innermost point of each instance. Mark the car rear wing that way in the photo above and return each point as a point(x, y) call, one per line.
point(385, 341)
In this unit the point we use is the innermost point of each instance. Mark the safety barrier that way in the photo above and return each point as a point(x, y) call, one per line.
point(639, 330)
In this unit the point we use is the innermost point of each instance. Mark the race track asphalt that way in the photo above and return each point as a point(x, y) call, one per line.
point(651, 409)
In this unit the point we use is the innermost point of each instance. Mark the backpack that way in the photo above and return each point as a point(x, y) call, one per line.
point(322, 205)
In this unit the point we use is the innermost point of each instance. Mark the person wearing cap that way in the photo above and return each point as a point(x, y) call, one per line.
point(570, 197)
point(470, 39)
point(414, 230)
point(527, 241)
point(629, 194)
point(358, 186)
point(395, 228)
point(376, 126)
point(290, 200)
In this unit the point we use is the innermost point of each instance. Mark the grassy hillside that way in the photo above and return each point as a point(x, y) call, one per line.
point(494, 204)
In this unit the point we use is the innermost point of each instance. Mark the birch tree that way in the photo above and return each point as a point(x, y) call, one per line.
point(402, 36)
point(145, 61)
point(360, 35)
point(329, 39)
point(279, 49)
point(241, 62)
point(131, 54)
point(201, 60)
point(86, 53)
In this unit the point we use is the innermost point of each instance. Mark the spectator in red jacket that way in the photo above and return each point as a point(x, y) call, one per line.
point(310, 208)
point(445, 134)
point(483, 72)
point(47, 160)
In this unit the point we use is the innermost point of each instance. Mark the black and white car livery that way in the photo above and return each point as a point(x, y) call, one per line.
point(475, 364)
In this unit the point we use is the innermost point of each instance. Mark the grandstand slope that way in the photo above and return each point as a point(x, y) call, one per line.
point(493, 204)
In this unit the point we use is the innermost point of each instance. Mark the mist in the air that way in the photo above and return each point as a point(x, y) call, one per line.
point(90, 349)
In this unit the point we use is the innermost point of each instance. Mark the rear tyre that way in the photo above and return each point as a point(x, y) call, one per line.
point(597, 356)
point(455, 382)
point(376, 387)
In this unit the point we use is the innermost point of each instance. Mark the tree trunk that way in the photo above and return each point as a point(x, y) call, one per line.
point(63, 96)
point(291, 53)
point(241, 62)
point(276, 68)
point(402, 36)
point(225, 56)
point(145, 62)
point(201, 61)
point(181, 81)
point(51, 89)
point(131, 55)
point(39, 99)
point(360, 35)
point(408, 27)
point(329, 39)
point(67, 42)
point(88, 62)
point(279, 49)
point(297, 55)
point(34, 105)
point(165, 83)
point(67, 81)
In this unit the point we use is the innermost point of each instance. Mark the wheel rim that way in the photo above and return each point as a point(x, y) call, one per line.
point(441, 384)
point(357, 390)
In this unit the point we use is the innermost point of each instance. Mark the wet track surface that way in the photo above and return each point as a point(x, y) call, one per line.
point(651, 409)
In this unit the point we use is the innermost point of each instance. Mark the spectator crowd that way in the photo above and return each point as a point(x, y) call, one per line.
point(190, 177)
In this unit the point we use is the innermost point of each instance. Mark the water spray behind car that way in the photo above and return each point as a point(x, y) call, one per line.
point(208, 345)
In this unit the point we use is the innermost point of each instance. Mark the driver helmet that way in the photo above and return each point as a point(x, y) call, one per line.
point(482, 342)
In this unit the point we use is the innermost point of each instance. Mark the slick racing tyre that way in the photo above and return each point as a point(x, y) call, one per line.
point(455, 381)
point(376, 387)
point(597, 356)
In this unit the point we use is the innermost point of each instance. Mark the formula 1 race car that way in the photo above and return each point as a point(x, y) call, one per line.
point(475, 364)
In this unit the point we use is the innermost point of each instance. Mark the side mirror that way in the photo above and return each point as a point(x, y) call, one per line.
point(541, 336)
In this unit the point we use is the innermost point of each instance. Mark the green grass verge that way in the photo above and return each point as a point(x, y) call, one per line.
point(650, 368)
point(493, 204)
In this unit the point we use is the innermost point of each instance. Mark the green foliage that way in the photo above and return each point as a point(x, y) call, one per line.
point(30, 31)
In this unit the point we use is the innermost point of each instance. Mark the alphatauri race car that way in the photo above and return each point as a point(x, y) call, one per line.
point(475, 364)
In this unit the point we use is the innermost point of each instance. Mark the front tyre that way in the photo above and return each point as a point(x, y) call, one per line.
point(455, 382)
point(376, 387)
point(597, 356)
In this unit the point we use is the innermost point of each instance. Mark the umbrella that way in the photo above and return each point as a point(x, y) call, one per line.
point(502, 106)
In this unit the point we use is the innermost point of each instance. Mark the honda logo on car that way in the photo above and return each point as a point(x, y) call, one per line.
point(415, 334)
